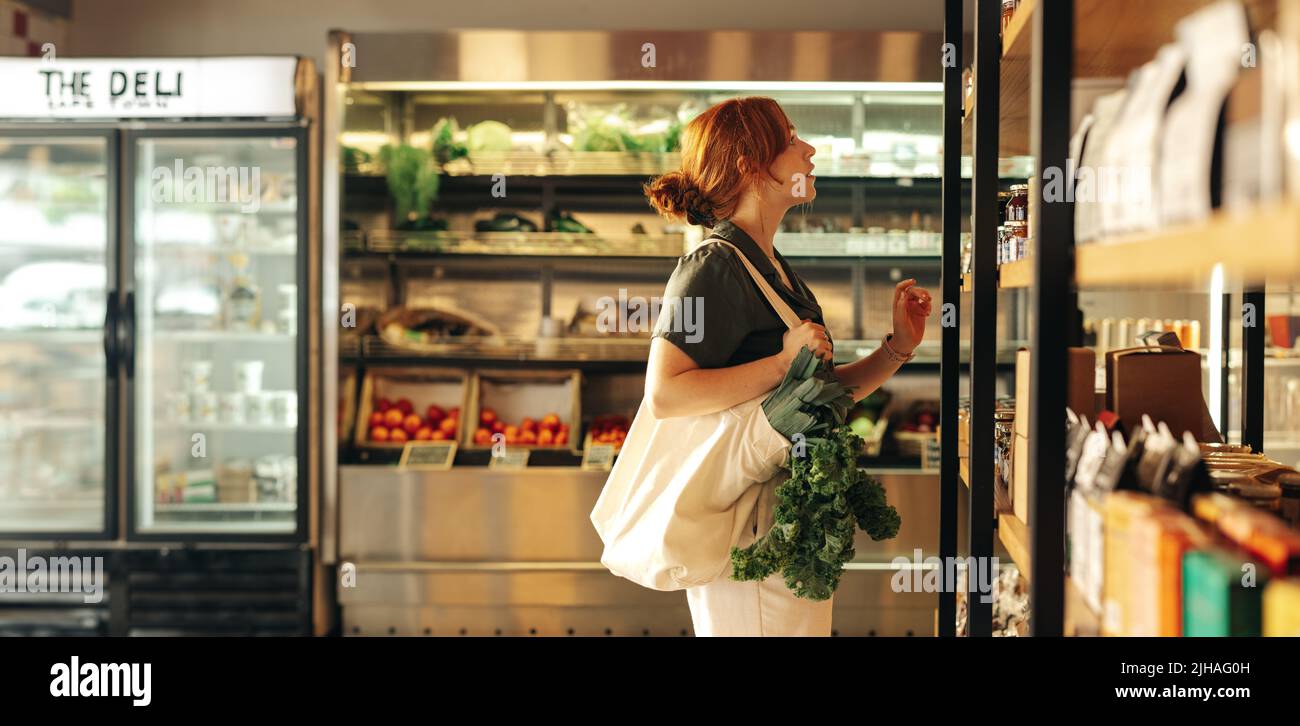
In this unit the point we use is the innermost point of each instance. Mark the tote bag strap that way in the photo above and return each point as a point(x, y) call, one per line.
point(780, 306)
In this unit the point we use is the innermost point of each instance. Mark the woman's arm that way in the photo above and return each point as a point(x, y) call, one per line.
point(911, 308)
point(677, 386)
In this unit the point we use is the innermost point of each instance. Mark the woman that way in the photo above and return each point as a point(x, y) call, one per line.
point(743, 167)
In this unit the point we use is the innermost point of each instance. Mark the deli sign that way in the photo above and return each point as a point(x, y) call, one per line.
point(246, 87)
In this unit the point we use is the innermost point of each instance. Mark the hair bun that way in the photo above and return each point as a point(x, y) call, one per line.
point(674, 195)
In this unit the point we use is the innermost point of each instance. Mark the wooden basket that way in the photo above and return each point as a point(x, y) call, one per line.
point(514, 395)
point(446, 387)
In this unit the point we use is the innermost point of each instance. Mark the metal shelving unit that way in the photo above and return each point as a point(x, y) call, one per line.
point(1024, 107)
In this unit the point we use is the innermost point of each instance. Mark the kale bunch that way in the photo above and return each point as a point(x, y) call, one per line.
point(824, 498)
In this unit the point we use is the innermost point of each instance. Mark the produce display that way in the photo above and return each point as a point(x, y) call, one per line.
point(867, 421)
point(413, 184)
point(506, 222)
point(544, 432)
point(396, 422)
point(413, 327)
point(826, 493)
point(609, 429)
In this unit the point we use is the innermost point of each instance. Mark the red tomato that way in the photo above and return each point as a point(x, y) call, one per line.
point(438, 436)
point(376, 419)
point(550, 421)
point(448, 426)
point(562, 438)
point(528, 425)
point(405, 406)
point(482, 437)
point(498, 427)
point(545, 437)
point(383, 404)
point(398, 436)
point(424, 433)
point(434, 414)
point(379, 433)
point(393, 418)
point(487, 416)
point(412, 423)
point(528, 438)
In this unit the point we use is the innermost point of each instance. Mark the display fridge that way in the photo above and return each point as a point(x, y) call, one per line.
point(158, 256)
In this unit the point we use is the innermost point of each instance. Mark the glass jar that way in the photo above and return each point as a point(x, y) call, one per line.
point(1008, 12)
point(1004, 423)
point(1017, 209)
point(1003, 199)
point(1017, 236)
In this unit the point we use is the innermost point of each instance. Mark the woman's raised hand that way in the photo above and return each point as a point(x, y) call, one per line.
point(911, 308)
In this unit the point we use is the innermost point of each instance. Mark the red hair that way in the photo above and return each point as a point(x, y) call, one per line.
point(723, 150)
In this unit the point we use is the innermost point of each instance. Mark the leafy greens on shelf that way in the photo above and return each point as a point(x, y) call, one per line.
point(826, 495)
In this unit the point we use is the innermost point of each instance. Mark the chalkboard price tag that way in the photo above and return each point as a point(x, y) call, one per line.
point(598, 457)
point(510, 458)
point(432, 455)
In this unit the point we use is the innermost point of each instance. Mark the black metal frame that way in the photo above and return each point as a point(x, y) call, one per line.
point(950, 277)
point(984, 301)
point(299, 132)
point(1053, 305)
point(1252, 368)
point(112, 168)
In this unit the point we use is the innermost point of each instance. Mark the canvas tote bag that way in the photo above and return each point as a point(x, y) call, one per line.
point(682, 489)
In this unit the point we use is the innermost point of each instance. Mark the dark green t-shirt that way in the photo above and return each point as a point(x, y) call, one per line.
point(713, 310)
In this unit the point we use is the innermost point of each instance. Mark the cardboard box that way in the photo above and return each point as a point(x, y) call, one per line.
point(1215, 603)
point(516, 395)
point(1164, 383)
point(1081, 394)
point(1122, 510)
point(1282, 608)
point(446, 387)
point(1020, 478)
point(1158, 542)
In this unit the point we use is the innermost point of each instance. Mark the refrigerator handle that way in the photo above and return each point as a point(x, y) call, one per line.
point(128, 336)
point(110, 334)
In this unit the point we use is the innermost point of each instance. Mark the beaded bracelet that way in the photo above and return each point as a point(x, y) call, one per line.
point(894, 355)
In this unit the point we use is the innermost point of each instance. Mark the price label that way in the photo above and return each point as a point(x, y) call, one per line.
point(510, 458)
point(598, 457)
point(436, 455)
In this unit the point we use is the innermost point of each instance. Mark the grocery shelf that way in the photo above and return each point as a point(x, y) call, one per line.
point(186, 427)
point(1013, 88)
point(1011, 276)
point(38, 422)
point(46, 336)
point(643, 164)
point(1080, 619)
point(1014, 536)
point(1255, 245)
point(174, 507)
point(221, 336)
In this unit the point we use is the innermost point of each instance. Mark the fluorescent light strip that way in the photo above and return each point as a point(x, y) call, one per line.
point(852, 86)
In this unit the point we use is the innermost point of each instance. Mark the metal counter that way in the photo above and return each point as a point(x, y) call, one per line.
point(478, 552)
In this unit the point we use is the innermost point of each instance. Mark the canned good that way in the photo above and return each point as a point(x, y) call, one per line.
point(248, 376)
point(230, 408)
point(203, 407)
point(197, 375)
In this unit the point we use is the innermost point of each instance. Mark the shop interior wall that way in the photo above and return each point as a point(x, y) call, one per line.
point(216, 27)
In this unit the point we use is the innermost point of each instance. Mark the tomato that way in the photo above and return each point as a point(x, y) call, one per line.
point(376, 419)
point(528, 425)
point(398, 436)
point(498, 427)
point(545, 437)
point(528, 437)
point(404, 405)
point(487, 416)
point(393, 418)
point(511, 431)
point(378, 433)
point(424, 433)
point(383, 404)
point(562, 438)
point(438, 436)
point(412, 423)
point(434, 414)
point(448, 426)
point(482, 437)
point(550, 421)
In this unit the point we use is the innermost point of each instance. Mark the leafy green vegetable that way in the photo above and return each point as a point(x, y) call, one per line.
point(412, 181)
point(445, 146)
point(826, 495)
point(488, 136)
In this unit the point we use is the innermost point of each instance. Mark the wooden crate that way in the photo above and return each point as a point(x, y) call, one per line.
point(446, 387)
point(514, 395)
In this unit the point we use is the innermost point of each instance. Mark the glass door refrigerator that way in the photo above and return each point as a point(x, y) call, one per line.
point(159, 255)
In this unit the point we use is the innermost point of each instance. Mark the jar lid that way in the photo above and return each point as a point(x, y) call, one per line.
point(1019, 188)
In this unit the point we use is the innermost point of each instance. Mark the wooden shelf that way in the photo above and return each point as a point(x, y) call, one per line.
point(1260, 245)
point(1014, 536)
point(1080, 619)
point(1012, 275)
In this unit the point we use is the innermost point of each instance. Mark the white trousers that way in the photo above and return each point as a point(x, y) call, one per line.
point(726, 607)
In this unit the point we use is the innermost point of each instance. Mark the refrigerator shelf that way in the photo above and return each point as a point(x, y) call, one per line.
point(50, 423)
point(52, 335)
point(198, 247)
point(226, 507)
point(221, 336)
point(187, 427)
